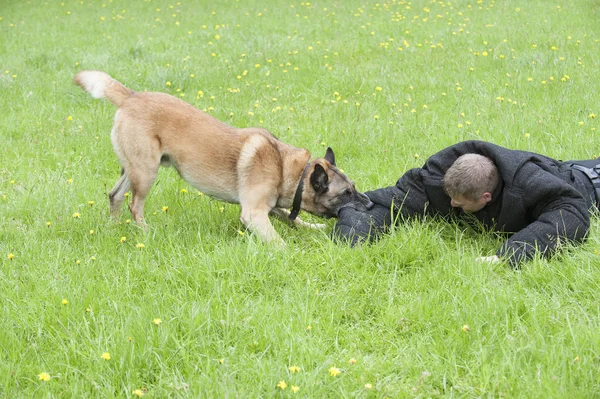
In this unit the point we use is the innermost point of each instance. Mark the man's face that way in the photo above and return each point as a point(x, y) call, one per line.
point(468, 205)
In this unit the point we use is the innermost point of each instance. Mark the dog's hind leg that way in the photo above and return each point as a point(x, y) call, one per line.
point(140, 187)
point(117, 194)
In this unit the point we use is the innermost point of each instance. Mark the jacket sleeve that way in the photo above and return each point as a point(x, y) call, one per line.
point(408, 198)
point(354, 227)
point(559, 215)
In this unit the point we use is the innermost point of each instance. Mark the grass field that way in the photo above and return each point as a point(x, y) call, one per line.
point(197, 307)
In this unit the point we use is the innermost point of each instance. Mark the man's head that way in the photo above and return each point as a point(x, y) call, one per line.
point(470, 182)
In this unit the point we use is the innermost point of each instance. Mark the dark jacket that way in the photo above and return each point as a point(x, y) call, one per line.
point(543, 202)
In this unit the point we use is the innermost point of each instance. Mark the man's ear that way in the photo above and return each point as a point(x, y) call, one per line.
point(319, 179)
point(330, 156)
point(487, 197)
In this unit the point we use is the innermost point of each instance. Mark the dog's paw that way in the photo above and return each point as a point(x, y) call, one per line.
point(317, 226)
point(278, 243)
point(488, 259)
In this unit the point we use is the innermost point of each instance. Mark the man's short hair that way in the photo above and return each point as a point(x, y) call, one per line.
point(470, 176)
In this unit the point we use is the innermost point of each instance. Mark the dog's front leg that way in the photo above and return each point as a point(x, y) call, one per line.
point(257, 221)
point(284, 215)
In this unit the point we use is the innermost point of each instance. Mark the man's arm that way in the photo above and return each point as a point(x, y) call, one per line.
point(559, 213)
point(406, 199)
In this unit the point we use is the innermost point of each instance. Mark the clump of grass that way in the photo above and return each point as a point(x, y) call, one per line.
point(199, 307)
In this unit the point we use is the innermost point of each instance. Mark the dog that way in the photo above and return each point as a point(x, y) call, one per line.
point(248, 166)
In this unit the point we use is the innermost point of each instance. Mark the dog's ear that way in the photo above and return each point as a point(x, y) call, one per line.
point(319, 179)
point(330, 156)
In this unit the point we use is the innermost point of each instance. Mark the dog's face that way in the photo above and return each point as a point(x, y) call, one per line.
point(329, 190)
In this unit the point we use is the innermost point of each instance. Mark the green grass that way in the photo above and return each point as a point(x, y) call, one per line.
point(386, 84)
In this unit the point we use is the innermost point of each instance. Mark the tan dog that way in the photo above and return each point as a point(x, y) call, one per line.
point(247, 166)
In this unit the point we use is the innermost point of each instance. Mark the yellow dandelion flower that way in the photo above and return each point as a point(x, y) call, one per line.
point(68, 180)
point(168, 84)
point(352, 361)
point(64, 301)
point(44, 377)
point(281, 385)
point(295, 388)
point(294, 369)
point(308, 328)
point(466, 328)
point(123, 239)
point(76, 215)
point(368, 386)
point(527, 135)
point(591, 116)
point(139, 245)
point(69, 118)
point(91, 203)
point(157, 321)
point(105, 356)
point(91, 232)
point(184, 190)
point(581, 123)
point(379, 88)
point(334, 371)
point(165, 208)
point(48, 224)
point(11, 256)
point(138, 392)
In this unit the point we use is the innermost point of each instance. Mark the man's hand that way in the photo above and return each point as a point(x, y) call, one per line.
point(488, 259)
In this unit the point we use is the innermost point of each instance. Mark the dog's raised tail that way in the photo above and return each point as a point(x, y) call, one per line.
point(101, 85)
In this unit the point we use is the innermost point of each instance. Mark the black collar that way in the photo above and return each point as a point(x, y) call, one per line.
point(298, 196)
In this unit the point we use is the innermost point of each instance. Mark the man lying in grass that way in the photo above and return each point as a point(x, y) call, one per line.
point(541, 201)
